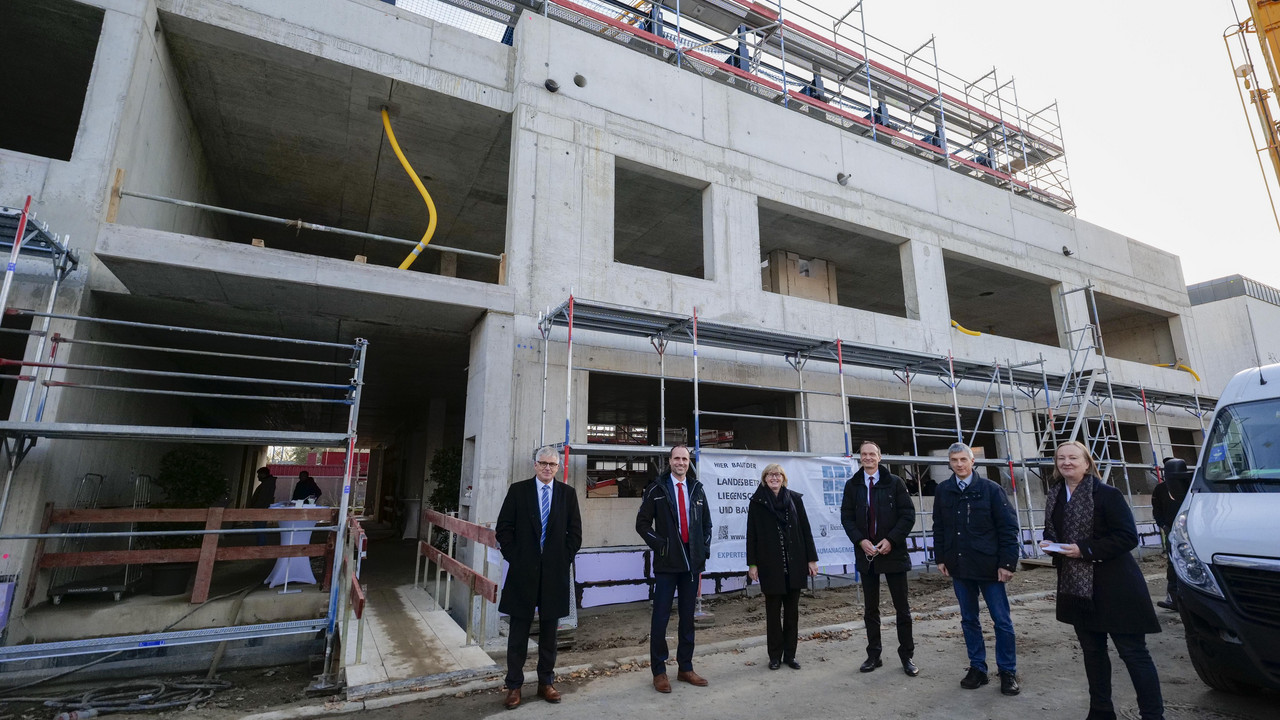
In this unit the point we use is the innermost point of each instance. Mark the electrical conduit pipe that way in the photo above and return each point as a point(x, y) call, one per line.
point(431, 206)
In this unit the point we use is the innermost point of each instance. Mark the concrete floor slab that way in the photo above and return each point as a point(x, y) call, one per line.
point(407, 638)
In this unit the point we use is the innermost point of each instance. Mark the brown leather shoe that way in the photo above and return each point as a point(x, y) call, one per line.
point(661, 683)
point(512, 700)
point(691, 677)
point(549, 693)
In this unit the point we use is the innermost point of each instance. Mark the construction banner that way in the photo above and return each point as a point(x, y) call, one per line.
point(730, 481)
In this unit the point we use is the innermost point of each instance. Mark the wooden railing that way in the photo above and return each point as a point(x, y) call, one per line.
point(476, 581)
point(204, 556)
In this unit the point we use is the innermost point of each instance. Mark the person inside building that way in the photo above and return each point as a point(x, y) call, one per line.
point(306, 488)
point(877, 515)
point(675, 522)
point(263, 496)
point(780, 556)
point(539, 531)
point(1089, 532)
point(975, 541)
point(1166, 499)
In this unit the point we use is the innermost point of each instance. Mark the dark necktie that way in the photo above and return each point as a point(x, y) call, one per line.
point(871, 512)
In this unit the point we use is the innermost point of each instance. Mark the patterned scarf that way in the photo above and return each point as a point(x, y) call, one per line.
point(1075, 575)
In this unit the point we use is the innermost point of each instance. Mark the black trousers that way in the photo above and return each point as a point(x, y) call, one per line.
point(666, 587)
point(1132, 649)
point(781, 621)
point(897, 583)
point(518, 650)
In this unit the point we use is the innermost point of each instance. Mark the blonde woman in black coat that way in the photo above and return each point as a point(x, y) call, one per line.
point(780, 554)
point(1089, 530)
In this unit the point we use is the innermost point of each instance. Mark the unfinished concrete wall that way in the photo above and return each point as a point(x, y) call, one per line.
point(158, 147)
point(1236, 333)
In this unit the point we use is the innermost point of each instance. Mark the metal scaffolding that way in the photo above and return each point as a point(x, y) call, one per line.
point(1058, 403)
point(287, 357)
point(804, 59)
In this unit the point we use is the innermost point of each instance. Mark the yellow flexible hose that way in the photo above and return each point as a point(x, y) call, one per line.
point(1184, 368)
point(431, 206)
point(964, 330)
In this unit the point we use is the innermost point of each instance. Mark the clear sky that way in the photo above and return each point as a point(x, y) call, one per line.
point(1156, 141)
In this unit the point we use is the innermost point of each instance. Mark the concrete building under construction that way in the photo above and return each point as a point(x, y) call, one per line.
point(735, 227)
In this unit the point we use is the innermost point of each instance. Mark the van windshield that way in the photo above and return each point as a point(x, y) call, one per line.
point(1242, 453)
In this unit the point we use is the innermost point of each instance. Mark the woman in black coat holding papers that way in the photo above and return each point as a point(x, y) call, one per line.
point(780, 555)
point(1090, 532)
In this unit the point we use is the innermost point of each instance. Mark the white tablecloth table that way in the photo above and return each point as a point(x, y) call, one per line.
point(293, 569)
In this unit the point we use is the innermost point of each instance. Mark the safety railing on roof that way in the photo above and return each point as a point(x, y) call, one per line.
point(804, 58)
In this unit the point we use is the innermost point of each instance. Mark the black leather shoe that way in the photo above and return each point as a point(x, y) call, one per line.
point(775, 664)
point(1009, 683)
point(871, 664)
point(1167, 604)
point(909, 667)
point(973, 679)
point(792, 664)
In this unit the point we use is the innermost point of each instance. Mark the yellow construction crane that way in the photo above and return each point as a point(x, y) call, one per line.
point(1260, 31)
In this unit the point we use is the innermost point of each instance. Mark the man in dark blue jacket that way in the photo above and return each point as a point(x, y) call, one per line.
point(675, 522)
point(975, 542)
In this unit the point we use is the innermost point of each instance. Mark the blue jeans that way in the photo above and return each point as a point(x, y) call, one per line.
point(993, 592)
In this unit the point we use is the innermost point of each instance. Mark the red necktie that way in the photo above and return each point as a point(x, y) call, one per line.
point(684, 516)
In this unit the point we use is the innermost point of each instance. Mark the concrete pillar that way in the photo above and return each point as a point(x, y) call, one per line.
point(731, 227)
point(824, 437)
point(924, 280)
point(1077, 315)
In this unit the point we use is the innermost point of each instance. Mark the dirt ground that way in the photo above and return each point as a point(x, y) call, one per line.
point(624, 630)
point(603, 634)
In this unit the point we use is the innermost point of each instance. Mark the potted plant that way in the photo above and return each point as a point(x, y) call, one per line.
point(189, 477)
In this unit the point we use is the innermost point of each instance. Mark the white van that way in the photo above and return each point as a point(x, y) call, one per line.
point(1225, 542)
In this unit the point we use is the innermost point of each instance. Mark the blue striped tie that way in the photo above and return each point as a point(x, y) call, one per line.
point(546, 511)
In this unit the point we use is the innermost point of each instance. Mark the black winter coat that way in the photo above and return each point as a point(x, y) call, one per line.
point(658, 522)
point(765, 544)
point(537, 577)
point(975, 533)
point(895, 516)
point(1121, 602)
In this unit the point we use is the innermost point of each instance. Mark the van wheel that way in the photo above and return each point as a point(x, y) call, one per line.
point(1203, 661)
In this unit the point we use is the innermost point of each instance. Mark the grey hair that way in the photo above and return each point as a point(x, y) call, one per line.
point(546, 451)
point(959, 447)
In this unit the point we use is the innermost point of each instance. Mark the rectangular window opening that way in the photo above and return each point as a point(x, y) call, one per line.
point(658, 220)
point(47, 50)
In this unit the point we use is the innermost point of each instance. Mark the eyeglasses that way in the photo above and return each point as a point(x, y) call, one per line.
point(543, 463)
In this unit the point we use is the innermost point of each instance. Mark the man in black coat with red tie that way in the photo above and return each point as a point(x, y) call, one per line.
point(539, 531)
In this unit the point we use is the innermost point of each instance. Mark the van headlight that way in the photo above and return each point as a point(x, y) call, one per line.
point(1190, 569)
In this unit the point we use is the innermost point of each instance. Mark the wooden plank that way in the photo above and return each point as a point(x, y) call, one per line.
point(71, 516)
point(357, 597)
point(119, 557)
point(483, 586)
point(37, 556)
point(67, 516)
point(471, 531)
point(208, 549)
point(330, 544)
point(113, 205)
point(151, 557)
